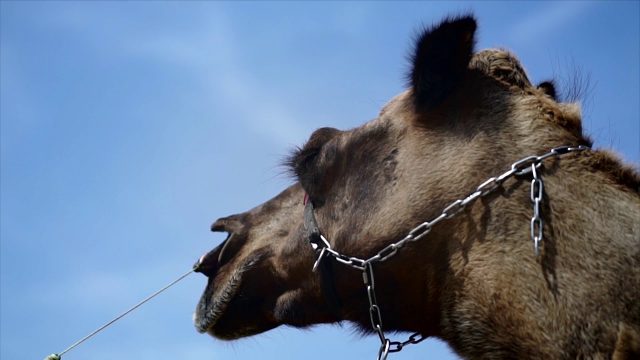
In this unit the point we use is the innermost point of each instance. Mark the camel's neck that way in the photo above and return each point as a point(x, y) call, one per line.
point(496, 283)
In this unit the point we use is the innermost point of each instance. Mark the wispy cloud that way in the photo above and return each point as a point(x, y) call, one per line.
point(545, 20)
point(209, 53)
point(206, 51)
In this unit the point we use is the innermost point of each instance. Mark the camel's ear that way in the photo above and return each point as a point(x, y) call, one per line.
point(440, 60)
point(549, 88)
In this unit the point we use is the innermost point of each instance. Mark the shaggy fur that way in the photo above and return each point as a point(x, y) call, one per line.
point(474, 281)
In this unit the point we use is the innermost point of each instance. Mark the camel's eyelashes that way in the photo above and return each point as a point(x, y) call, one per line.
point(301, 157)
point(309, 162)
point(303, 164)
point(304, 160)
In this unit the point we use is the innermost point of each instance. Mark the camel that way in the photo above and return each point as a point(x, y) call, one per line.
point(543, 262)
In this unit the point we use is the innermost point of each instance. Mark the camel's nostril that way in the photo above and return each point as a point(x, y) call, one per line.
point(234, 226)
point(227, 250)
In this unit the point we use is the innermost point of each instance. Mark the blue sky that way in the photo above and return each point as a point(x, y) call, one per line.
point(127, 128)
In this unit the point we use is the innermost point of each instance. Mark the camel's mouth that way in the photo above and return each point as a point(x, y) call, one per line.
point(216, 299)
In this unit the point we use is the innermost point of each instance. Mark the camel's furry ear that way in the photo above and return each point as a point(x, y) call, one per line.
point(549, 88)
point(440, 60)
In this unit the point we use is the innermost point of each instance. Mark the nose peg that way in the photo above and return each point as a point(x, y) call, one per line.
point(207, 264)
point(197, 265)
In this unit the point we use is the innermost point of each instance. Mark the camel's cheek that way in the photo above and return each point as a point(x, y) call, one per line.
point(285, 305)
point(292, 308)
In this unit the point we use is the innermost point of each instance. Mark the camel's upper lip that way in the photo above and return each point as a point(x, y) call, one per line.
point(214, 303)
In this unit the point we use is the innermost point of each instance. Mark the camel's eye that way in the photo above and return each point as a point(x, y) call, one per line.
point(303, 165)
point(303, 160)
point(309, 162)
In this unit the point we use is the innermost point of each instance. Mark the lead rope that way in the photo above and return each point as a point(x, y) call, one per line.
point(58, 356)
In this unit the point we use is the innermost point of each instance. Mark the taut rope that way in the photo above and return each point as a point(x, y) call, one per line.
point(58, 356)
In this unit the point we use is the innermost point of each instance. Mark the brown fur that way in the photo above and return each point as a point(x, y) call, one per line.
point(627, 344)
point(474, 280)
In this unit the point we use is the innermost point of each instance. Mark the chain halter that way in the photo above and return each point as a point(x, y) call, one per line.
point(323, 249)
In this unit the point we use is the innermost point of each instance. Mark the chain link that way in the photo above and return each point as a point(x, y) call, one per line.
point(524, 166)
point(384, 349)
point(415, 338)
point(537, 191)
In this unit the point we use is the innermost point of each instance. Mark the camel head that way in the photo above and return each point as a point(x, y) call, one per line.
point(464, 118)
point(260, 277)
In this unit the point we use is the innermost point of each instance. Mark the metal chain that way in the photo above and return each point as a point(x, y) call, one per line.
point(386, 346)
point(521, 167)
point(537, 190)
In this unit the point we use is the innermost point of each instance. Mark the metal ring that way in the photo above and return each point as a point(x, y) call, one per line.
point(384, 350)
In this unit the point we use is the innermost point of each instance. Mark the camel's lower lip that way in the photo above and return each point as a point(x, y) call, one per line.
point(212, 306)
point(214, 302)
